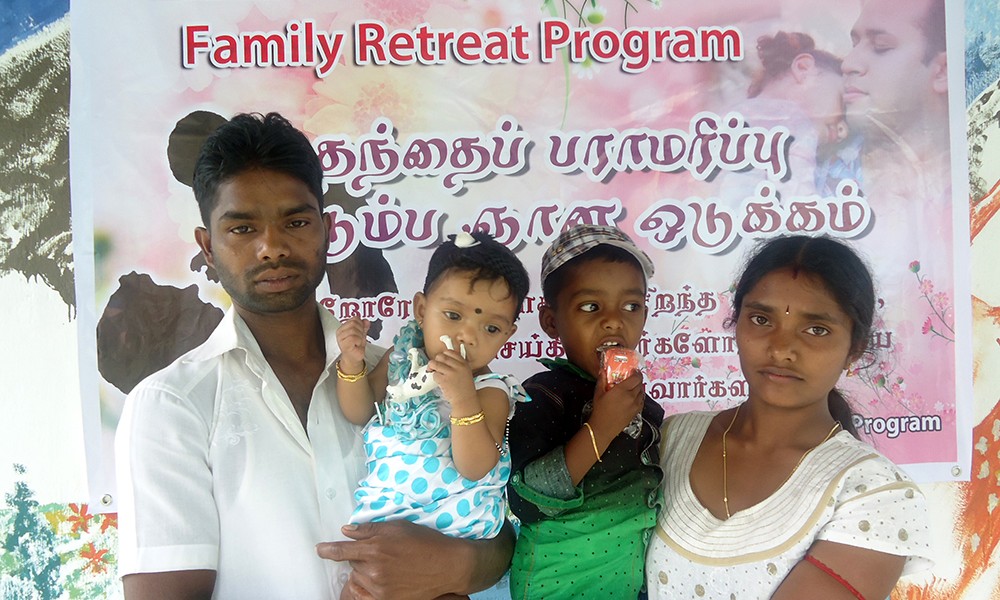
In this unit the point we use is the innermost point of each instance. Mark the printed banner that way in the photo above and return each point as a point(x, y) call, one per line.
point(696, 128)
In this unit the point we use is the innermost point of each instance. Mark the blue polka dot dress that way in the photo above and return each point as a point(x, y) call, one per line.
point(412, 476)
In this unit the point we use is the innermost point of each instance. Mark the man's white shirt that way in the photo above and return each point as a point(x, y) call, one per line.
point(216, 472)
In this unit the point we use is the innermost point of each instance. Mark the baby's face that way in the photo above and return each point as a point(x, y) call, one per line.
point(478, 316)
point(601, 304)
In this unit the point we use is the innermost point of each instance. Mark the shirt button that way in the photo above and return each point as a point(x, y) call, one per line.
point(330, 493)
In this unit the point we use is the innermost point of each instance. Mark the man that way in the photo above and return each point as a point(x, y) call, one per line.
point(235, 465)
point(896, 79)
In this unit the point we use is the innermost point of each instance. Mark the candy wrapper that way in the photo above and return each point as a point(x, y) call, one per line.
point(619, 363)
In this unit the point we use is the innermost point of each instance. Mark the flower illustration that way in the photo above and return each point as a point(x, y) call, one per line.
point(941, 302)
point(940, 322)
point(585, 70)
point(110, 521)
point(97, 560)
point(670, 368)
point(397, 13)
point(80, 518)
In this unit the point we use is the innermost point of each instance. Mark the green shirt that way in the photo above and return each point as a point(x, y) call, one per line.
point(585, 541)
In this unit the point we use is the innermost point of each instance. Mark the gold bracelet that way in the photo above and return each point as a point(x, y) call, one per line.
point(351, 378)
point(470, 420)
point(593, 440)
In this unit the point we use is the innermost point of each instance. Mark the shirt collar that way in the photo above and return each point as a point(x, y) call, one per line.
point(232, 333)
point(562, 363)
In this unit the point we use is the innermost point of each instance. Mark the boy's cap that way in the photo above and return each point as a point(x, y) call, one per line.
point(574, 242)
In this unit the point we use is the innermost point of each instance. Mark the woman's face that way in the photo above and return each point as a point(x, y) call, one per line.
point(794, 339)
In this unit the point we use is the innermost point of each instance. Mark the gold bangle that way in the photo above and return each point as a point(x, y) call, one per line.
point(351, 378)
point(470, 420)
point(593, 440)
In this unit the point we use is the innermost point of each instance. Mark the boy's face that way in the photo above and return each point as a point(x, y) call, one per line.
point(602, 303)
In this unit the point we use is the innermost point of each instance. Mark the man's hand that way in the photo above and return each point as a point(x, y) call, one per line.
point(398, 560)
point(395, 560)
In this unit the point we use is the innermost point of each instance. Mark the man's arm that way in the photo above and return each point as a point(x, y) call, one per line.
point(175, 585)
point(399, 560)
point(165, 497)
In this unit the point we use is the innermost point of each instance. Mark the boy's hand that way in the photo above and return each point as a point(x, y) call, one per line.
point(352, 339)
point(614, 409)
point(453, 374)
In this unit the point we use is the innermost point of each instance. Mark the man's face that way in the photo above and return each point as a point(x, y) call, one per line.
point(267, 240)
point(886, 81)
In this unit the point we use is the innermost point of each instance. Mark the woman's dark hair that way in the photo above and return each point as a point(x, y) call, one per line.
point(846, 278)
point(487, 260)
point(254, 141)
point(778, 51)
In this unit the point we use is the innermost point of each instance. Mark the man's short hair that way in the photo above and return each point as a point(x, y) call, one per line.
point(932, 25)
point(254, 141)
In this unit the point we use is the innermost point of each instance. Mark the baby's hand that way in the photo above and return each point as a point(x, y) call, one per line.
point(454, 375)
point(352, 339)
point(615, 408)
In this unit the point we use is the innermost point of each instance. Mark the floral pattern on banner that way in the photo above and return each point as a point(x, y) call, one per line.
point(55, 550)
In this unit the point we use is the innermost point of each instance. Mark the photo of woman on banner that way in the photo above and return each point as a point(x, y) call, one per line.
point(797, 87)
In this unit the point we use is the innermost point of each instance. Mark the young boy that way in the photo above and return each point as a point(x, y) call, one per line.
point(586, 480)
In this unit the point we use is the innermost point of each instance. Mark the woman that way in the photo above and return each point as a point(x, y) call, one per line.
point(777, 498)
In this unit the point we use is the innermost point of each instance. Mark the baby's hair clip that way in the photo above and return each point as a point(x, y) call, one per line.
point(465, 240)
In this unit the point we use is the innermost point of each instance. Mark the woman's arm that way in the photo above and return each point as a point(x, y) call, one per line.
point(871, 573)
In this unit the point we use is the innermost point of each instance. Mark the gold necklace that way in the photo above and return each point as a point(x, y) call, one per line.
point(725, 487)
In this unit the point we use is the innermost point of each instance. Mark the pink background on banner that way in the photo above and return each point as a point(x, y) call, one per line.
point(143, 216)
